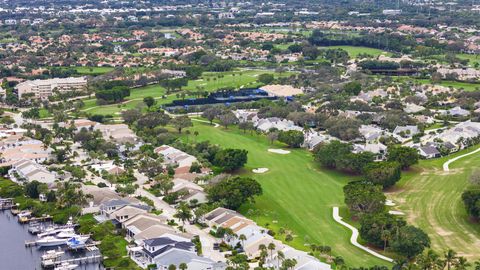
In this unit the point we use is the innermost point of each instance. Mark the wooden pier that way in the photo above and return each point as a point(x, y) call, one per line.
point(83, 260)
point(30, 243)
point(30, 219)
point(6, 203)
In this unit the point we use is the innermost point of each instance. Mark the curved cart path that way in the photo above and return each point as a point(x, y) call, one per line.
point(355, 234)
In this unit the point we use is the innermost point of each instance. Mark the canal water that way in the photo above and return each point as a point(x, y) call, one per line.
point(15, 256)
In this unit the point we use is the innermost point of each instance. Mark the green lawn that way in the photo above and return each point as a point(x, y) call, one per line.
point(469, 87)
point(474, 58)
point(283, 46)
point(354, 51)
point(211, 81)
point(44, 113)
point(431, 198)
point(93, 70)
point(298, 195)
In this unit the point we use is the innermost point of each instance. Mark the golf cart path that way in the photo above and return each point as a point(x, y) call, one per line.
point(355, 234)
point(447, 163)
point(204, 121)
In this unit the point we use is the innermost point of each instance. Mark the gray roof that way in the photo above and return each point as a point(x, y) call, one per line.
point(115, 202)
point(430, 150)
point(177, 257)
point(159, 241)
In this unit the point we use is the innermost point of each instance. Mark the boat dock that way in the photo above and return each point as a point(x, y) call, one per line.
point(30, 219)
point(90, 247)
point(6, 203)
point(82, 260)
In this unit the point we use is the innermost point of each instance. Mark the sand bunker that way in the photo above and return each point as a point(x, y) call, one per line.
point(279, 151)
point(260, 170)
point(389, 203)
point(397, 213)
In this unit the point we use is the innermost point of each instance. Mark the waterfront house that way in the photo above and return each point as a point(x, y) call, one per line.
point(165, 251)
point(127, 212)
point(140, 222)
point(153, 231)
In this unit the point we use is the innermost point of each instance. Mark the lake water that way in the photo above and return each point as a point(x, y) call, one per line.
point(13, 253)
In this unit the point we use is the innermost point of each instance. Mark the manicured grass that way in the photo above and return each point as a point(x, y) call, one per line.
point(211, 81)
point(93, 70)
point(297, 194)
point(44, 113)
point(474, 58)
point(283, 46)
point(354, 51)
point(469, 87)
point(431, 198)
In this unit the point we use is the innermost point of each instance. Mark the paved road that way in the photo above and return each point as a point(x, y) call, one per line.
point(355, 234)
point(447, 163)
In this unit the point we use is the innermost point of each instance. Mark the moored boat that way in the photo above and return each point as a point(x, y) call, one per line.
point(66, 266)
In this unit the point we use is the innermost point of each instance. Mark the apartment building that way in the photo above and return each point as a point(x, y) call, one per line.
point(42, 89)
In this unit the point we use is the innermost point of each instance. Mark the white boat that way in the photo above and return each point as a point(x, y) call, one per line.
point(59, 240)
point(24, 214)
point(66, 266)
point(66, 233)
point(52, 254)
point(51, 241)
point(77, 242)
point(55, 229)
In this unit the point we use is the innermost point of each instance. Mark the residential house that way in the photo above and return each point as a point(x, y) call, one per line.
point(191, 191)
point(119, 133)
point(406, 131)
point(28, 171)
point(266, 124)
point(174, 156)
point(456, 111)
point(379, 149)
point(153, 231)
point(109, 168)
point(140, 222)
point(429, 151)
point(127, 212)
point(312, 139)
point(17, 147)
point(371, 133)
point(413, 108)
point(165, 251)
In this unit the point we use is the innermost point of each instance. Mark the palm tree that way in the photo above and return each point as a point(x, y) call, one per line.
point(462, 264)
point(271, 247)
point(183, 266)
point(184, 213)
point(450, 258)
point(280, 258)
point(242, 238)
point(385, 237)
point(289, 264)
point(195, 134)
point(263, 256)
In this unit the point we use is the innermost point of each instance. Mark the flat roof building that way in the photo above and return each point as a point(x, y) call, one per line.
point(42, 89)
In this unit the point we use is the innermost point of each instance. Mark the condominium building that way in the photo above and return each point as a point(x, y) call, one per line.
point(42, 89)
